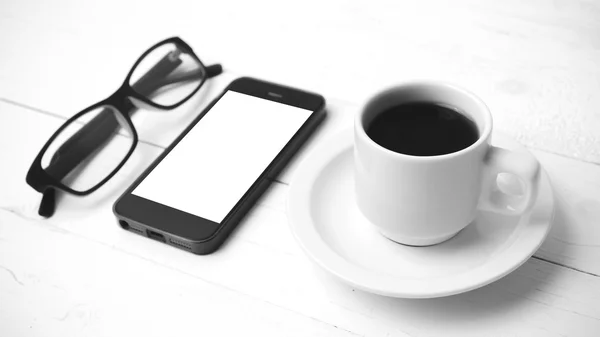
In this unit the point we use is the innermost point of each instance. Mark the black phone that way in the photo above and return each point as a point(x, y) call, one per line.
point(199, 189)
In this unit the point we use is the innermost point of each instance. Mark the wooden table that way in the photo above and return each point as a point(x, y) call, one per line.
point(536, 64)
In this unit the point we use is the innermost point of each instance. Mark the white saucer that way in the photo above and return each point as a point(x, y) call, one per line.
point(329, 227)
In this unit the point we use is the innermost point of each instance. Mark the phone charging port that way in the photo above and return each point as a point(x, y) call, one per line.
point(156, 236)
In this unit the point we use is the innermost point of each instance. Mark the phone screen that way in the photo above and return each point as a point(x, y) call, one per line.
point(218, 160)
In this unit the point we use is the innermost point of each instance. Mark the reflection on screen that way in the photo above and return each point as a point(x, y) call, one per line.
point(220, 158)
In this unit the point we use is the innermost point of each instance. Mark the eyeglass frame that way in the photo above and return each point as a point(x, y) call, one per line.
point(122, 100)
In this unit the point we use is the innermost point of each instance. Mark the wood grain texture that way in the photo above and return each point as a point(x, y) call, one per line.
point(54, 283)
point(259, 264)
point(57, 282)
point(536, 63)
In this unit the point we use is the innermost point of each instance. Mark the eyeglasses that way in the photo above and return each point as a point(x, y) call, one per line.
point(90, 147)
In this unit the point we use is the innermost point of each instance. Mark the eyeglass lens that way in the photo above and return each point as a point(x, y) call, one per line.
point(167, 75)
point(82, 163)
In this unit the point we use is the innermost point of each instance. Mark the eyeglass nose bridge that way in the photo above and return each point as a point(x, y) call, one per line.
point(120, 98)
point(125, 100)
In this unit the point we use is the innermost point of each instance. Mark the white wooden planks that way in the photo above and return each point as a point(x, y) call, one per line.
point(259, 264)
point(56, 283)
point(535, 63)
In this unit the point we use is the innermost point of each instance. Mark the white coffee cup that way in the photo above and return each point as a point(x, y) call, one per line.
point(425, 200)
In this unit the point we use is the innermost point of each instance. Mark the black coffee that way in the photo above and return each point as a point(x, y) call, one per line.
point(422, 129)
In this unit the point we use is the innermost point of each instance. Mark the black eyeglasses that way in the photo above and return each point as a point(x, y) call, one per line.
point(90, 147)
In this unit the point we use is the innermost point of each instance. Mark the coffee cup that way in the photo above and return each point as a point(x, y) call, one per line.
point(424, 164)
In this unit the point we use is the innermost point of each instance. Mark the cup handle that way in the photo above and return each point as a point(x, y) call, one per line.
point(521, 165)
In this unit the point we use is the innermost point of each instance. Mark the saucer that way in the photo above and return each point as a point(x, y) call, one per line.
point(329, 227)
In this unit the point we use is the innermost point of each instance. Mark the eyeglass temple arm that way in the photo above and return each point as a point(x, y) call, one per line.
point(48, 203)
point(213, 70)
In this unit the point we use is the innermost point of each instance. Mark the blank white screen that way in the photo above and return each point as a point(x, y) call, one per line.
point(212, 167)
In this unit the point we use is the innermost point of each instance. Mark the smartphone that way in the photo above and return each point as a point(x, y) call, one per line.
point(199, 189)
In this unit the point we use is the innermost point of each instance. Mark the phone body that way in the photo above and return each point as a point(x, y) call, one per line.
point(198, 190)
